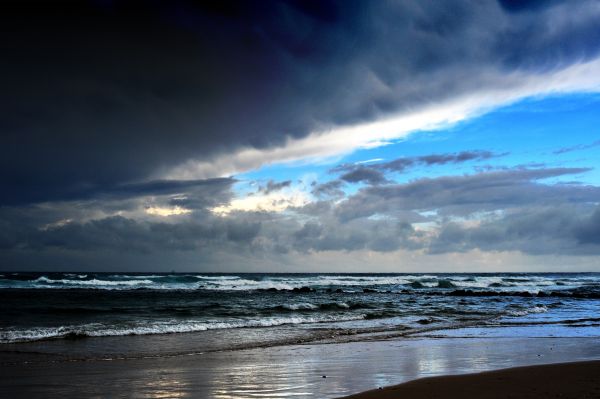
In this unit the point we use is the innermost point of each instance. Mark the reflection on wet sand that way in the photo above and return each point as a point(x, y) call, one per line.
point(166, 386)
point(287, 371)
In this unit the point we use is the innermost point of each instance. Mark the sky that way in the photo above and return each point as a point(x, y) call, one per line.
point(300, 136)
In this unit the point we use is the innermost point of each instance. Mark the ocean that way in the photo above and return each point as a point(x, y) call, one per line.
point(191, 313)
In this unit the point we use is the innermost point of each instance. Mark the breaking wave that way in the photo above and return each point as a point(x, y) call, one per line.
point(166, 327)
point(243, 282)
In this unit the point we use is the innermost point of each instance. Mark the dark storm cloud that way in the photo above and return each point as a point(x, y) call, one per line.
point(208, 235)
point(160, 187)
point(461, 195)
point(505, 211)
point(589, 232)
point(213, 191)
point(373, 173)
point(560, 230)
point(508, 210)
point(273, 186)
point(378, 236)
point(121, 234)
point(463, 156)
point(577, 147)
point(527, 5)
point(364, 174)
point(103, 94)
point(217, 189)
point(63, 223)
point(331, 188)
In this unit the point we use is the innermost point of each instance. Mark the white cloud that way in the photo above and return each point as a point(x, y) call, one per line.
point(369, 161)
point(166, 211)
point(272, 202)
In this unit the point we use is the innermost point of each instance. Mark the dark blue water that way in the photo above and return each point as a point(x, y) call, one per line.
point(56, 306)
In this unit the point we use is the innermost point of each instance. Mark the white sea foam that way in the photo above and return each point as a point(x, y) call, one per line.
point(300, 306)
point(138, 277)
point(218, 277)
point(479, 282)
point(241, 284)
point(529, 283)
point(164, 327)
point(289, 283)
point(525, 312)
point(93, 282)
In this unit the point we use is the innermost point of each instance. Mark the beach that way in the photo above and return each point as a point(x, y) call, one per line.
point(327, 336)
point(291, 371)
point(565, 380)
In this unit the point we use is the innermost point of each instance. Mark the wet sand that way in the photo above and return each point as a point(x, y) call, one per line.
point(279, 372)
point(579, 380)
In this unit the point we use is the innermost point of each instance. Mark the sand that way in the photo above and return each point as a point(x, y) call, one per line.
point(41, 371)
point(577, 380)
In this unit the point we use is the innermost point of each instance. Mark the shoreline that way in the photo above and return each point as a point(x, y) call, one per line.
point(572, 380)
point(293, 371)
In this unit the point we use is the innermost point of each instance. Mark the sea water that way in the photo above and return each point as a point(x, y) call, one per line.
point(104, 314)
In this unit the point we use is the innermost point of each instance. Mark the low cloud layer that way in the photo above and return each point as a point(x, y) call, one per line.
point(512, 210)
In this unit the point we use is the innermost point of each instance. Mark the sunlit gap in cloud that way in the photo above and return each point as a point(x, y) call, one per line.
point(272, 202)
point(166, 211)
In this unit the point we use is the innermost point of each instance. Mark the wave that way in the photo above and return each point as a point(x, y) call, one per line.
point(297, 306)
point(218, 277)
point(525, 312)
point(446, 284)
point(384, 314)
point(306, 306)
point(577, 293)
point(168, 327)
point(337, 283)
point(93, 282)
point(339, 305)
point(72, 275)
